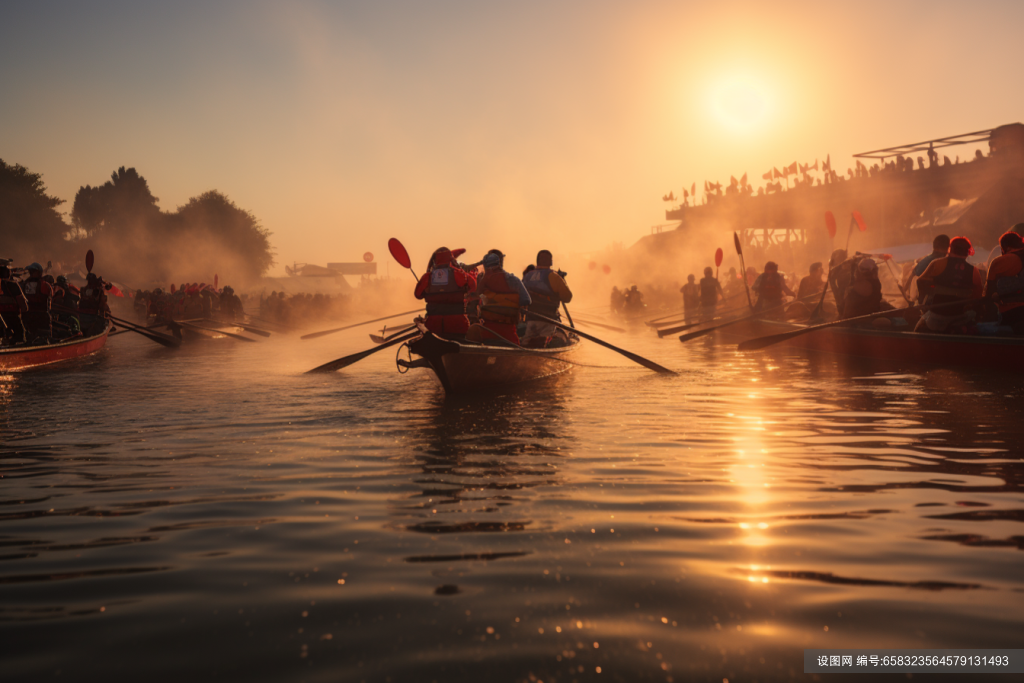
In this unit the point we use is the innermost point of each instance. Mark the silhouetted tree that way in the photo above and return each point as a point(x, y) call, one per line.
point(30, 224)
point(215, 221)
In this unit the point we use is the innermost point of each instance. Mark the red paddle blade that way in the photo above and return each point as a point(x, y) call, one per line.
point(89, 260)
point(456, 253)
point(719, 255)
point(398, 251)
point(736, 241)
point(861, 225)
point(830, 223)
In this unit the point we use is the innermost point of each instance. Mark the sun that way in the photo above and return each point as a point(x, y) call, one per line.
point(740, 103)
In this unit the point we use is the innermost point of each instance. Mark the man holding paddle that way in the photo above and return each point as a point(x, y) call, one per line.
point(444, 287)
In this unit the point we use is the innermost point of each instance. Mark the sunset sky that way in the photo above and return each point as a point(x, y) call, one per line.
point(481, 124)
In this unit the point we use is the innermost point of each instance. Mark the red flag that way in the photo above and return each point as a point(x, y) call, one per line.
point(778, 173)
point(791, 169)
point(767, 176)
point(115, 291)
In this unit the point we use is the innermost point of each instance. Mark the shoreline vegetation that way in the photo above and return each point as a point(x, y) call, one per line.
point(137, 241)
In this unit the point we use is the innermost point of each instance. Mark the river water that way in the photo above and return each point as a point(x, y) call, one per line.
point(215, 513)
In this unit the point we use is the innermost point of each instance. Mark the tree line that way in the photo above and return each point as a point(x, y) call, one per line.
point(133, 240)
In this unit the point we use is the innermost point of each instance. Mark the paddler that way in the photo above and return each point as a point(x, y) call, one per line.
point(548, 292)
point(1006, 281)
point(65, 302)
point(502, 296)
point(947, 280)
point(710, 291)
point(40, 299)
point(864, 295)
point(93, 306)
point(769, 287)
point(444, 287)
point(13, 305)
point(691, 297)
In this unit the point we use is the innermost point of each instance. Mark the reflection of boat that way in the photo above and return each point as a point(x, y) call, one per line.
point(1004, 353)
point(462, 366)
point(21, 357)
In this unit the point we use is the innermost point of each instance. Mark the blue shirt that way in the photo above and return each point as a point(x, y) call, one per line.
point(923, 263)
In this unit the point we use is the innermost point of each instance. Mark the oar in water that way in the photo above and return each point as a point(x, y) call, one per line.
point(314, 335)
point(664, 332)
point(159, 338)
point(356, 357)
point(581, 321)
point(651, 365)
point(380, 338)
point(709, 330)
point(762, 342)
point(213, 330)
point(653, 323)
point(247, 328)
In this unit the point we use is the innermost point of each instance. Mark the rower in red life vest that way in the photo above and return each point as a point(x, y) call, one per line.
point(502, 295)
point(445, 286)
point(13, 305)
point(770, 286)
point(548, 292)
point(948, 280)
point(40, 298)
point(1006, 281)
point(93, 306)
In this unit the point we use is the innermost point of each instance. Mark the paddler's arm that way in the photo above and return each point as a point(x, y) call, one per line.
point(517, 284)
point(787, 290)
point(927, 279)
point(559, 287)
point(421, 286)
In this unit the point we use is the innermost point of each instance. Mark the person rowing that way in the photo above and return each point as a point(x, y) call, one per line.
point(93, 306)
point(502, 297)
point(710, 292)
point(1006, 281)
point(40, 299)
point(548, 292)
point(947, 280)
point(445, 286)
point(13, 305)
point(770, 286)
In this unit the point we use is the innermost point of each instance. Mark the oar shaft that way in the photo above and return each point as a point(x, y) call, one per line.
point(628, 354)
point(314, 335)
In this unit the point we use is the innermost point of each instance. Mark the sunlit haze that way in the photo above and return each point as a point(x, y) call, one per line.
point(516, 125)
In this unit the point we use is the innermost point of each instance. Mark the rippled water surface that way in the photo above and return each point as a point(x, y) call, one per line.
point(214, 513)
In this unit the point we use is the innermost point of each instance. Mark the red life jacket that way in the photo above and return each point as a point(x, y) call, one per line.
point(93, 299)
point(10, 296)
point(39, 294)
point(444, 294)
point(499, 302)
point(771, 287)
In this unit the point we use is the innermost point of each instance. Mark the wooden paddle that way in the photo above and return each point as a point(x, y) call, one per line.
point(162, 339)
point(356, 357)
point(762, 342)
point(701, 333)
point(247, 328)
point(743, 265)
point(193, 326)
point(650, 365)
point(380, 338)
point(314, 335)
point(581, 321)
point(725, 314)
point(653, 323)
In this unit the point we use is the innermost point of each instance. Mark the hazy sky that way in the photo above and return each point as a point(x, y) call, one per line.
point(483, 124)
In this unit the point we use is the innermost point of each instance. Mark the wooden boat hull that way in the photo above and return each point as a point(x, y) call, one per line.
point(948, 350)
point(469, 367)
point(21, 358)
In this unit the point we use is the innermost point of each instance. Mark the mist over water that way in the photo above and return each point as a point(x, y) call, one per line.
point(213, 512)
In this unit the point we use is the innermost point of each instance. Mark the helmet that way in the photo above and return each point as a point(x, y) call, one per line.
point(62, 280)
point(34, 267)
point(771, 267)
point(91, 277)
point(494, 259)
point(441, 257)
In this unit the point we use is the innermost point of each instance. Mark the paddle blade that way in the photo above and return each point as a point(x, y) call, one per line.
point(397, 250)
point(89, 258)
point(736, 241)
point(830, 223)
point(356, 357)
point(719, 255)
point(861, 225)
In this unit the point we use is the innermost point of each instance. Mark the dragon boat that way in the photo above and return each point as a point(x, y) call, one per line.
point(23, 357)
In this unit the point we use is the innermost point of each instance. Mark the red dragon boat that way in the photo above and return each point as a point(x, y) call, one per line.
point(22, 357)
point(949, 350)
point(465, 367)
